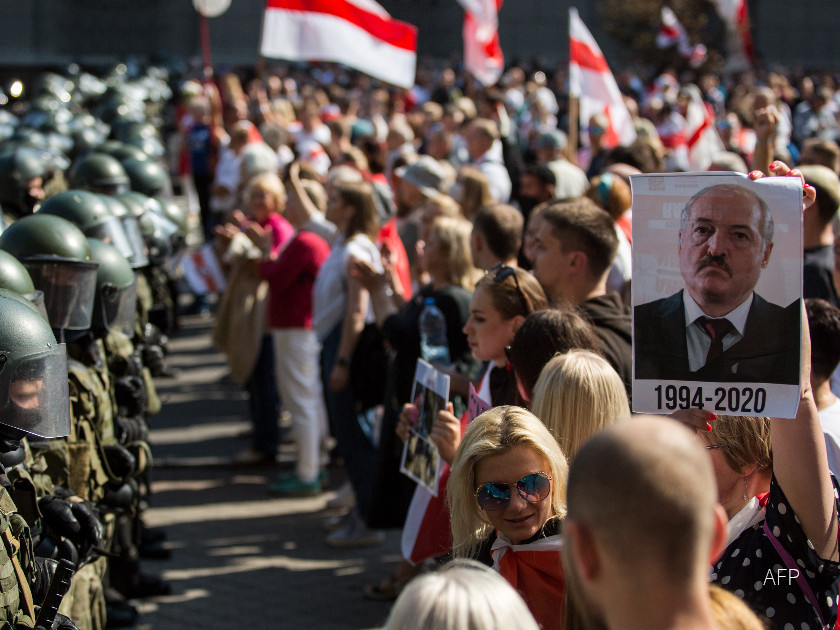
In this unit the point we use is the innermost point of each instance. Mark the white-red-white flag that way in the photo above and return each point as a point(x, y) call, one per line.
point(358, 33)
point(591, 81)
point(483, 56)
point(672, 33)
point(740, 54)
point(702, 136)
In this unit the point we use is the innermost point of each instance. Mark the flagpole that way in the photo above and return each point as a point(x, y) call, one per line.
point(204, 29)
point(574, 119)
point(261, 57)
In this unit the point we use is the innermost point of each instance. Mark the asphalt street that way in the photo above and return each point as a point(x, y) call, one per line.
point(240, 557)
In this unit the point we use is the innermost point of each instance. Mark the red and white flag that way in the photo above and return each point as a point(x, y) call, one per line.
point(357, 33)
point(740, 54)
point(482, 51)
point(673, 33)
point(203, 272)
point(703, 139)
point(591, 81)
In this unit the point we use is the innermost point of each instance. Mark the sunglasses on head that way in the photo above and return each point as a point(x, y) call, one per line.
point(500, 273)
point(495, 496)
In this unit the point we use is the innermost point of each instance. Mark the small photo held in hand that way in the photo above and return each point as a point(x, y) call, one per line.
point(420, 457)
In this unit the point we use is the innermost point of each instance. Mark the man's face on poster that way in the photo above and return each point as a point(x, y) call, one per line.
point(722, 249)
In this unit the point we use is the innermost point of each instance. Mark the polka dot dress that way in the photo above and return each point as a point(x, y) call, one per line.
point(753, 570)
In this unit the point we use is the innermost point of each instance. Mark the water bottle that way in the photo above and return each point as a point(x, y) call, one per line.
point(434, 346)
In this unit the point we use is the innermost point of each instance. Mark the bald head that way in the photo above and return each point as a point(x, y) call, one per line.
point(646, 490)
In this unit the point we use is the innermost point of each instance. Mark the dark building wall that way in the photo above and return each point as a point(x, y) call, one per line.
point(45, 32)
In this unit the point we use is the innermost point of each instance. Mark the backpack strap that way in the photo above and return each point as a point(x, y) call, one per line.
point(800, 578)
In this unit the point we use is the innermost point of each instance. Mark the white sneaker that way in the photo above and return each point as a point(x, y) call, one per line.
point(344, 498)
point(356, 534)
point(334, 523)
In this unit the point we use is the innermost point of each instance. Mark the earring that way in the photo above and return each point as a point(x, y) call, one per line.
point(745, 489)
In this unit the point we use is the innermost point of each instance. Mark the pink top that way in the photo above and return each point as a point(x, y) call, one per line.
point(290, 280)
point(281, 231)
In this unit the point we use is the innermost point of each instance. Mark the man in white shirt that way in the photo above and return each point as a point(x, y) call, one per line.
point(485, 150)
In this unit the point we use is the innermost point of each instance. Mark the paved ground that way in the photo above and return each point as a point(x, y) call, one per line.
point(241, 559)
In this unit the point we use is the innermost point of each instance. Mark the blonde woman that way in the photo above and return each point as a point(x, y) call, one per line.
point(576, 395)
point(461, 596)
point(241, 330)
point(506, 497)
point(471, 190)
point(339, 313)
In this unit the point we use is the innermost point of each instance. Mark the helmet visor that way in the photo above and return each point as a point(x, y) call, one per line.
point(138, 257)
point(109, 186)
point(119, 308)
point(111, 231)
point(35, 388)
point(69, 289)
point(37, 298)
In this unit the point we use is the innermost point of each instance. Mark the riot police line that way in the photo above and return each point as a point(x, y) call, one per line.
point(86, 303)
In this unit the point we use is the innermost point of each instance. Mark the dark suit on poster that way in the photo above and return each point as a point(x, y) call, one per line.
point(768, 352)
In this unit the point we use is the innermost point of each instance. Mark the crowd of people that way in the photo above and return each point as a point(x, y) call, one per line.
point(338, 211)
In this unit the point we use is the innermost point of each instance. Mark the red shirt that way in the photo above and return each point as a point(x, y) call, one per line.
point(290, 280)
point(389, 236)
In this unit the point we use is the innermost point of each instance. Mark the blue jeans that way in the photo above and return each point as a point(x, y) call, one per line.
point(264, 401)
point(353, 445)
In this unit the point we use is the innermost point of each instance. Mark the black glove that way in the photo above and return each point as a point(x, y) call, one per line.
point(60, 623)
point(63, 623)
point(153, 358)
point(120, 461)
point(130, 392)
point(74, 520)
point(50, 548)
point(154, 336)
point(130, 430)
point(43, 571)
point(120, 497)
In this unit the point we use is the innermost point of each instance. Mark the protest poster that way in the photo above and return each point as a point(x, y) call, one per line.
point(717, 293)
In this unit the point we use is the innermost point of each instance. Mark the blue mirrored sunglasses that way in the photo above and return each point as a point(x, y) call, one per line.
point(495, 496)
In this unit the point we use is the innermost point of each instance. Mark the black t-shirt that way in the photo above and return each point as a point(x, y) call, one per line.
point(818, 274)
point(402, 332)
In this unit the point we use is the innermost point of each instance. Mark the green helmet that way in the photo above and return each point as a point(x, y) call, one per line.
point(34, 396)
point(151, 146)
point(90, 213)
point(127, 129)
point(147, 177)
point(173, 211)
point(115, 304)
point(122, 151)
point(14, 276)
point(98, 172)
point(158, 233)
point(58, 257)
point(137, 203)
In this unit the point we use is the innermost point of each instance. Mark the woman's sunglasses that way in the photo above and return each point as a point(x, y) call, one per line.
point(495, 496)
point(500, 273)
